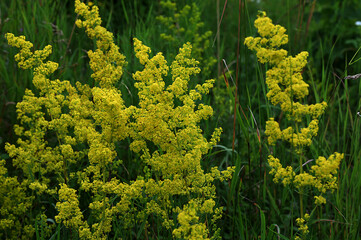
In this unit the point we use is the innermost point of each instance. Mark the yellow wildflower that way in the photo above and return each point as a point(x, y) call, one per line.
point(319, 200)
point(286, 88)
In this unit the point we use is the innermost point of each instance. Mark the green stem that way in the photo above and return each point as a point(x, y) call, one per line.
point(301, 171)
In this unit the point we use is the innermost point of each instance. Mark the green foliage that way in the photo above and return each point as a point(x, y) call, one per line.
point(185, 25)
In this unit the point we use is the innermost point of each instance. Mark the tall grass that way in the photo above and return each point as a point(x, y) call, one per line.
point(255, 207)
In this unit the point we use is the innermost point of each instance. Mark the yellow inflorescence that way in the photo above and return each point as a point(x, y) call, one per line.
point(14, 204)
point(302, 224)
point(106, 62)
point(86, 124)
point(286, 88)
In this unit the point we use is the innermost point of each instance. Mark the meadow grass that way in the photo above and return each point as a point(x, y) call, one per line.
point(254, 206)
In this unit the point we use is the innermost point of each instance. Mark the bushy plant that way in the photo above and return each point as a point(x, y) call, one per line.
point(71, 139)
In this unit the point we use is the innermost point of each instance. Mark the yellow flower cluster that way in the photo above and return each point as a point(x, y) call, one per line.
point(177, 135)
point(28, 60)
point(302, 224)
point(322, 177)
point(68, 207)
point(14, 205)
point(286, 88)
point(286, 175)
point(188, 217)
point(299, 139)
point(106, 62)
point(68, 138)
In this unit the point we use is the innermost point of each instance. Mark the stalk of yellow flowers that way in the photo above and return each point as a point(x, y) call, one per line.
point(286, 88)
